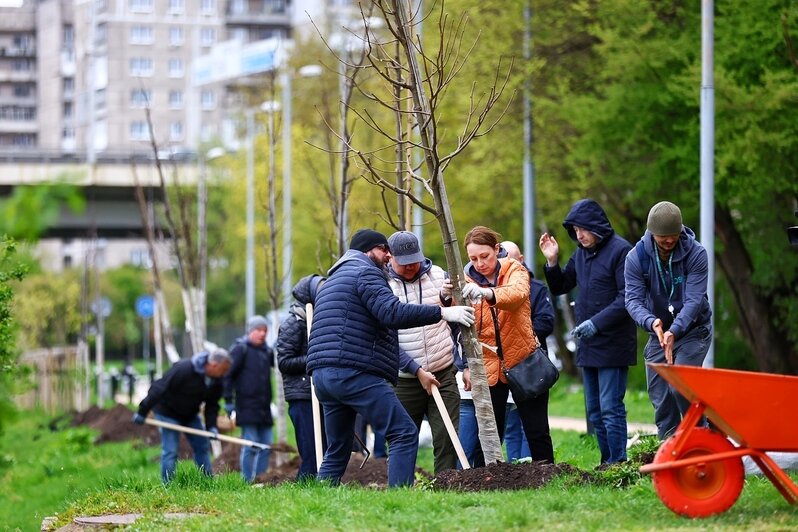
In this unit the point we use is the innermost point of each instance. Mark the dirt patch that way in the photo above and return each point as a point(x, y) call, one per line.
point(115, 425)
point(501, 476)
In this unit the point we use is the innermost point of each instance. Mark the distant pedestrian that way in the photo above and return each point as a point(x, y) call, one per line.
point(176, 398)
point(353, 355)
point(607, 339)
point(248, 393)
point(543, 323)
point(666, 295)
point(292, 350)
point(425, 353)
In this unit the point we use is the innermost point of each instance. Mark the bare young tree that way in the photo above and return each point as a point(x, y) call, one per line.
point(416, 83)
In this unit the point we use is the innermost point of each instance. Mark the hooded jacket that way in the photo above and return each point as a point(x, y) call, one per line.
point(688, 268)
point(429, 346)
point(249, 381)
point(356, 317)
point(599, 275)
point(182, 390)
point(292, 342)
point(511, 293)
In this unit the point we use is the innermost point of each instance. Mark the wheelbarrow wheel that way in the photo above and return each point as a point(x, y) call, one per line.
point(703, 489)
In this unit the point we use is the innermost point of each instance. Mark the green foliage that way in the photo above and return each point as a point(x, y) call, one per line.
point(10, 272)
point(30, 210)
point(48, 309)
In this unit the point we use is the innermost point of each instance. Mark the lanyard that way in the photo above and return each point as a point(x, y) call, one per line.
point(664, 283)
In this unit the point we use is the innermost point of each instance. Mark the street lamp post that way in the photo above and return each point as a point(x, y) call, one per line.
point(250, 258)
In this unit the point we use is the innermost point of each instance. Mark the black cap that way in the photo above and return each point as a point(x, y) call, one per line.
point(367, 239)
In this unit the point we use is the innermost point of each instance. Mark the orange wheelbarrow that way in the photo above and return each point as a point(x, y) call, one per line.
point(698, 472)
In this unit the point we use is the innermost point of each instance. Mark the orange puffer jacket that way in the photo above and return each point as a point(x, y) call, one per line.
point(514, 315)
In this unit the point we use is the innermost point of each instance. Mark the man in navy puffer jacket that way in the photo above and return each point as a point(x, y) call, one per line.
point(353, 355)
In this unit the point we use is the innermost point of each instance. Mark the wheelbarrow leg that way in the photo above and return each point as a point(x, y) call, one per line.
point(777, 476)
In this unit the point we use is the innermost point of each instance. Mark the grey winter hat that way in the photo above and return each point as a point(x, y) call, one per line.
point(367, 239)
point(256, 322)
point(665, 219)
point(404, 248)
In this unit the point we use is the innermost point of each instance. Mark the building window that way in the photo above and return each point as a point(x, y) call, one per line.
point(175, 68)
point(69, 36)
point(100, 97)
point(141, 6)
point(69, 87)
point(176, 6)
point(208, 99)
point(176, 131)
point(175, 99)
point(140, 98)
point(176, 36)
point(140, 257)
point(101, 34)
point(208, 6)
point(138, 130)
point(68, 110)
point(239, 7)
point(141, 66)
point(100, 6)
point(23, 65)
point(15, 112)
point(207, 36)
point(274, 6)
point(23, 90)
point(141, 35)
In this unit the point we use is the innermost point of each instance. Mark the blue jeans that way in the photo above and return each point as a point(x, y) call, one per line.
point(605, 389)
point(514, 437)
point(255, 461)
point(670, 405)
point(344, 393)
point(468, 431)
point(301, 413)
point(170, 444)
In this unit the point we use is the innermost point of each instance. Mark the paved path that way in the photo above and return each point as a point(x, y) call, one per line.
point(580, 425)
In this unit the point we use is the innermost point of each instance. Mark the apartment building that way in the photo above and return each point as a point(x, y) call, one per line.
point(76, 76)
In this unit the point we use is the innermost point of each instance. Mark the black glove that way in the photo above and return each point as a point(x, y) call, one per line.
point(138, 419)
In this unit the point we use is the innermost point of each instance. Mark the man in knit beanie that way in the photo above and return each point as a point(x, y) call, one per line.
point(666, 295)
point(248, 394)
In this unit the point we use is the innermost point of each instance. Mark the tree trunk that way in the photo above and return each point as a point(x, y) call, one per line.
point(769, 345)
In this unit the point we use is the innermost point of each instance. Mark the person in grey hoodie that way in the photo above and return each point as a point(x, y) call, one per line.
point(666, 295)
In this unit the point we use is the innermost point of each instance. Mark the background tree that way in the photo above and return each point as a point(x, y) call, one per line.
point(10, 272)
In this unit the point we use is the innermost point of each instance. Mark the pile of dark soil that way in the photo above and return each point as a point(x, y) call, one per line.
point(501, 476)
point(115, 425)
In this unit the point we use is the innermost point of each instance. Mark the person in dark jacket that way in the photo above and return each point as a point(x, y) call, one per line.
point(353, 356)
point(176, 398)
point(248, 393)
point(607, 335)
point(543, 322)
point(667, 297)
point(292, 349)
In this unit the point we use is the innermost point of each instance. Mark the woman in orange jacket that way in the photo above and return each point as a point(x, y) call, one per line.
point(499, 291)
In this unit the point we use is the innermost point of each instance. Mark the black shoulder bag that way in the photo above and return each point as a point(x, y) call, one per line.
point(531, 377)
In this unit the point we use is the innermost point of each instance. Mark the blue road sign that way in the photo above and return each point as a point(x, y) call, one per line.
point(145, 306)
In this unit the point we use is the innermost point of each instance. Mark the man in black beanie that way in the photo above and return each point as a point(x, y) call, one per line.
point(666, 295)
point(353, 356)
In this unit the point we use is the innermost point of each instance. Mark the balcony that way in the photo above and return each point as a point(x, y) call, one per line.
point(13, 51)
point(269, 15)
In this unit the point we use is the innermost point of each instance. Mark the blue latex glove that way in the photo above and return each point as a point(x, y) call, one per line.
point(215, 432)
point(586, 329)
point(138, 419)
point(229, 408)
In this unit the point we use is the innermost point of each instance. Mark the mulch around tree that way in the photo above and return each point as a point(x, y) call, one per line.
point(115, 425)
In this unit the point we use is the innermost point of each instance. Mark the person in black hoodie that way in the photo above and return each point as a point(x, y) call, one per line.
point(607, 335)
point(248, 393)
point(292, 350)
point(176, 398)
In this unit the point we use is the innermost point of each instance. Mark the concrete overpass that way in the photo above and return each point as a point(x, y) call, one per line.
point(111, 214)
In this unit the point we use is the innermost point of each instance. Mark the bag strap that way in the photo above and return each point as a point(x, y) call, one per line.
point(499, 353)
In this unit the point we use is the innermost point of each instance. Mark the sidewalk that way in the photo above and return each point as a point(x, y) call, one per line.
point(580, 425)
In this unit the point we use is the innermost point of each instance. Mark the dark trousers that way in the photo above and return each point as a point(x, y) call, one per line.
point(301, 413)
point(534, 415)
point(344, 393)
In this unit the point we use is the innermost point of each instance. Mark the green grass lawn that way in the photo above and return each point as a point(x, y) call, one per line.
point(45, 472)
